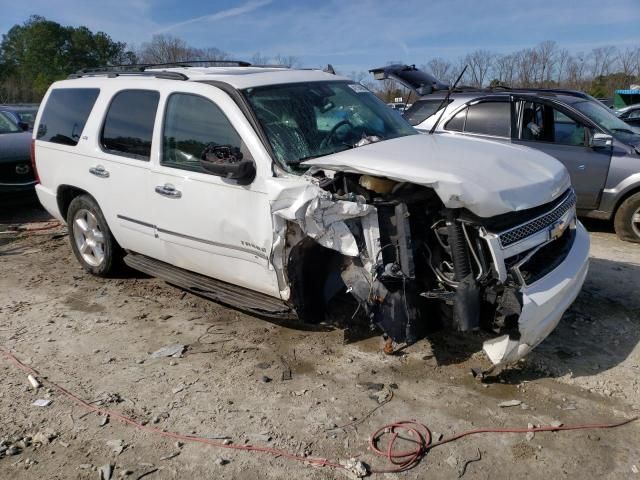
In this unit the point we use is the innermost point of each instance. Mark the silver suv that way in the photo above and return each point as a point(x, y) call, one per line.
point(601, 152)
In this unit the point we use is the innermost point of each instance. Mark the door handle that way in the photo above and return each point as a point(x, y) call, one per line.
point(99, 171)
point(582, 167)
point(168, 190)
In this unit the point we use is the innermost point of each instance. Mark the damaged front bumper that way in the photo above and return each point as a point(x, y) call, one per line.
point(543, 304)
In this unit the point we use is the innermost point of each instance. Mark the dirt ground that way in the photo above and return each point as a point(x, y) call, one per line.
point(303, 390)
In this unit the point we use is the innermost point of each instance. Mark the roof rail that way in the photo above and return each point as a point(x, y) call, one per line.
point(112, 74)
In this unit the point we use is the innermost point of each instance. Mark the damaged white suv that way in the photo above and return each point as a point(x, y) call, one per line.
point(276, 190)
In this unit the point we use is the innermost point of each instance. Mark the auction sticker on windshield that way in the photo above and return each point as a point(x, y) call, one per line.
point(356, 87)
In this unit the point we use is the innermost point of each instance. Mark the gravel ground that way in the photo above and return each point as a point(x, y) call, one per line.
point(304, 390)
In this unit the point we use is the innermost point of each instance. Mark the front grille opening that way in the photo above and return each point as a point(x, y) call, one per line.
point(548, 258)
point(538, 224)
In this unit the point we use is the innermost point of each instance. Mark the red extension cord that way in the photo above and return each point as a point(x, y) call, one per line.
point(402, 460)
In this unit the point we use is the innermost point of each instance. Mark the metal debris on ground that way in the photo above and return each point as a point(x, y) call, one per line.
point(356, 468)
point(34, 382)
point(509, 403)
point(174, 350)
point(105, 472)
point(117, 446)
point(42, 402)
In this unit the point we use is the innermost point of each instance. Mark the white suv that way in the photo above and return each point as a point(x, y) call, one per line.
point(277, 190)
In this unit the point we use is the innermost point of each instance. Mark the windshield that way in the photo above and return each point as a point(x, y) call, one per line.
point(7, 125)
point(310, 120)
point(605, 118)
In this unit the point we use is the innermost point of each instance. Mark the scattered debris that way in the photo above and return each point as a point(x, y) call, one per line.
point(509, 403)
point(104, 420)
point(383, 396)
point(259, 437)
point(300, 393)
point(179, 388)
point(463, 470)
point(529, 436)
point(265, 379)
point(221, 461)
point(34, 382)
point(356, 468)
point(174, 350)
point(44, 437)
point(105, 472)
point(13, 450)
point(42, 402)
point(634, 469)
point(117, 446)
point(556, 424)
point(170, 456)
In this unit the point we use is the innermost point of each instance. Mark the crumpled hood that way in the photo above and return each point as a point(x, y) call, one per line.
point(487, 177)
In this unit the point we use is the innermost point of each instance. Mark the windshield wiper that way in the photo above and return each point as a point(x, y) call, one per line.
point(624, 130)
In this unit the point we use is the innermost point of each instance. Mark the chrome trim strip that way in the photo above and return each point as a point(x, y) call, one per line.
point(195, 239)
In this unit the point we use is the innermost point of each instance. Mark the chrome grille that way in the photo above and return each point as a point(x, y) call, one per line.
point(525, 230)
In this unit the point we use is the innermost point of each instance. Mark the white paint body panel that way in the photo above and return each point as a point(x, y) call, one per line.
point(488, 178)
point(544, 303)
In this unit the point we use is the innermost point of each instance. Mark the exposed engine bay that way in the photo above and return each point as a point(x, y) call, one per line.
point(413, 264)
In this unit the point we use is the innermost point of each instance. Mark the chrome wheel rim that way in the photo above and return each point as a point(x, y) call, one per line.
point(88, 237)
point(635, 222)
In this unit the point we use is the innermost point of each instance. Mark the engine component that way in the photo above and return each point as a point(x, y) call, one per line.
point(377, 184)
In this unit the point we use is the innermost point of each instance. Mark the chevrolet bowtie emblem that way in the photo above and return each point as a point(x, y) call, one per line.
point(22, 169)
point(557, 229)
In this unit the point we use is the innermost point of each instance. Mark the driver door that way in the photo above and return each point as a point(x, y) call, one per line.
point(205, 223)
point(545, 126)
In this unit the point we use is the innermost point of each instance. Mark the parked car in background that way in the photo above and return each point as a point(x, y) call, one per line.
point(400, 107)
point(630, 115)
point(607, 102)
point(23, 114)
point(276, 190)
point(16, 172)
point(601, 152)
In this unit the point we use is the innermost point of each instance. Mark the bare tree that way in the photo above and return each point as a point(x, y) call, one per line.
point(602, 59)
point(258, 59)
point(563, 59)
point(628, 61)
point(480, 63)
point(441, 69)
point(287, 60)
point(504, 68)
point(165, 48)
point(546, 60)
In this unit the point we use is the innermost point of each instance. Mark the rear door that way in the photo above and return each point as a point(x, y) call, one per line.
point(548, 126)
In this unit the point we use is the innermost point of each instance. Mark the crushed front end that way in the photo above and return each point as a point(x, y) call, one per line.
point(412, 263)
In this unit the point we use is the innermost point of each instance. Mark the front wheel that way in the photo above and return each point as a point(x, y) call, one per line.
point(91, 240)
point(627, 219)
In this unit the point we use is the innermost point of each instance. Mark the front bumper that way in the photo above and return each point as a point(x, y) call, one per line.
point(544, 303)
point(17, 187)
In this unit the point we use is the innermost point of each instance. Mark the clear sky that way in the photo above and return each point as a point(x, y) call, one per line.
point(350, 34)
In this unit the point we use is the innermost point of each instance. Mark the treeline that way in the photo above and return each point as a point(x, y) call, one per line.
point(39, 52)
point(599, 71)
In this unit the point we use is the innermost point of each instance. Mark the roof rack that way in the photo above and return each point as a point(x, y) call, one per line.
point(145, 69)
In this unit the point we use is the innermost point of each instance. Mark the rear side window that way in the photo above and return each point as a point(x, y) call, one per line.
point(65, 115)
point(456, 124)
point(128, 126)
point(489, 118)
point(423, 109)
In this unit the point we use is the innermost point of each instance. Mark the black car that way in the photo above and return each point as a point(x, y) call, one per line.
point(24, 115)
point(16, 172)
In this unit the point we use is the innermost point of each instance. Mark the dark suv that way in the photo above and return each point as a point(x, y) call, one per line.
point(601, 152)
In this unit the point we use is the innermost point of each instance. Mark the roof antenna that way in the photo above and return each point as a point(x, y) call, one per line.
point(329, 69)
point(445, 101)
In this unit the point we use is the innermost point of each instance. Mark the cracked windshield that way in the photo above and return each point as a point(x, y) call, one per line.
point(304, 121)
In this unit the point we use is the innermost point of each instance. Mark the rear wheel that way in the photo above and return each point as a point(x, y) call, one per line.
point(91, 240)
point(627, 219)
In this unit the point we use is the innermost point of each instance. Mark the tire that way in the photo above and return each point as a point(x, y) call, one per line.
point(627, 219)
point(91, 240)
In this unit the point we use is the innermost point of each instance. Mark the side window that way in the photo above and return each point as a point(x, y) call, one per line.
point(128, 125)
point(423, 109)
point(634, 114)
point(193, 126)
point(489, 118)
point(456, 124)
point(543, 123)
point(65, 115)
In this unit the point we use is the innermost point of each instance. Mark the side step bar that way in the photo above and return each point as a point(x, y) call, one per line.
point(216, 290)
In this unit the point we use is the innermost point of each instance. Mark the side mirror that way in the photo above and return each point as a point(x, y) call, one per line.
point(226, 161)
point(600, 140)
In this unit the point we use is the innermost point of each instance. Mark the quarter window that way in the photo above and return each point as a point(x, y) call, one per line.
point(128, 126)
point(456, 124)
point(192, 126)
point(65, 115)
